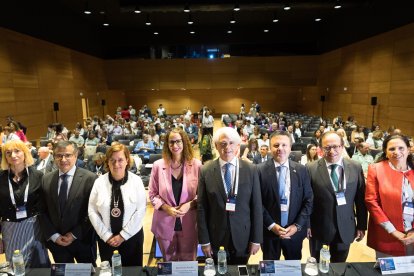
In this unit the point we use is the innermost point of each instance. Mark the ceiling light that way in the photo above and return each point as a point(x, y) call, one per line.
point(229, 31)
point(287, 7)
point(233, 19)
point(192, 32)
point(156, 33)
point(87, 10)
point(148, 22)
point(266, 30)
point(318, 19)
point(106, 24)
point(190, 20)
point(275, 19)
point(137, 10)
point(337, 5)
point(236, 7)
point(186, 8)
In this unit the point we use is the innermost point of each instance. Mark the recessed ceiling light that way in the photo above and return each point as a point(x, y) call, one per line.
point(192, 32)
point(87, 10)
point(186, 8)
point(287, 7)
point(137, 10)
point(318, 19)
point(156, 33)
point(229, 31)
point(106, 24)
point(232, 21)
point(190, 20)
point(148, 21)
point(337, 5)
point(266, 30)
point(236, 7)
point(275, 20)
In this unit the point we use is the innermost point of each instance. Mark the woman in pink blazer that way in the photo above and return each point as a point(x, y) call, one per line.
point(389, 191)
point(173, 193)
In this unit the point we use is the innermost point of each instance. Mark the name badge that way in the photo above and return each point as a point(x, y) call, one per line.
point(408, 208)
point(21, 212)
point(231, 204)
point(340, 198)
point(283, 205)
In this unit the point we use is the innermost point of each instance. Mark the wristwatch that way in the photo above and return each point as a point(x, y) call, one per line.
point(298, 227)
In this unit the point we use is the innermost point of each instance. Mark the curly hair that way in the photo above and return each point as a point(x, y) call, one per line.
point(187, 153)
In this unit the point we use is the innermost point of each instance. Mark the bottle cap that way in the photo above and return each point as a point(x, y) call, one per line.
point(116, 252)
point(325, 246)
point(17, 251)
point(221, 247)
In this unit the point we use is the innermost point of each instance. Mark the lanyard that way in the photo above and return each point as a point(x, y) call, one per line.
point(341, 180)
point(26, 192)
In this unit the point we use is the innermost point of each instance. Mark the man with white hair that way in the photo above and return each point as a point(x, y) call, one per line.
point(45, 163)
point(229, 202)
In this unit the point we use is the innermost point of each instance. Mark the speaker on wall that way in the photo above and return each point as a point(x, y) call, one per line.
point(373, 101)
point(322, 98)
point(55, 106)
point(103, 102)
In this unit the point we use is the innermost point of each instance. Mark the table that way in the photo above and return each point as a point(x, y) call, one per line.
point(337, 269)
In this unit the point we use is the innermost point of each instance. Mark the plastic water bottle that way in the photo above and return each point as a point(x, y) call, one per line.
point(116, 264)
point(18, 263)
point(222, 261)
point(324, 259)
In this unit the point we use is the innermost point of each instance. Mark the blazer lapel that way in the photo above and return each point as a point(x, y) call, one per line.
point(74, 187)
point(349, 173)
point(323, 170)
point(272, 176)
point(184, 191)
point(166, 172)
point(219, 180)
point(293, 180)
point(54, 188)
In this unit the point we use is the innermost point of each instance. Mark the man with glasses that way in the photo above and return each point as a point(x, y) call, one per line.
point(339, 214)
point(229, 203)
point(65, 224)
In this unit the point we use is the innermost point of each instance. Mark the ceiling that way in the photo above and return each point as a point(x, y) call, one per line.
point(127, 36)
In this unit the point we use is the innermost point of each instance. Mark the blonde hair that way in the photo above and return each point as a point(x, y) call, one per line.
point(13, 145)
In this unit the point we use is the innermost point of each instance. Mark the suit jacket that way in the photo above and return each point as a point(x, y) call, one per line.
point(258, 158)
point(50, 165)
point(327, 217)
point(301, 196)
point(75, 216)
point(245, 223)
point(383, 199)
point(160, 192)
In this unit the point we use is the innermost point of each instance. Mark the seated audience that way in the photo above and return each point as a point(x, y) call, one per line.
point(310, 155)
point(251, 150)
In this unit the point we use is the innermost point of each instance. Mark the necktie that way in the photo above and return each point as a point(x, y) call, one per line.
point(282, 184)
point(334, 176)
point(227, 178)
point(63, 192)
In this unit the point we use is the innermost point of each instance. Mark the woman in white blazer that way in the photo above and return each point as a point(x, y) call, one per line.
point(117, 207)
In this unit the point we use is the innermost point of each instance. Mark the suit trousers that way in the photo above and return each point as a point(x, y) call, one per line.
point(131, 250)
point(179, 249)
point(78, 250)
point(339, 250)
point(291, 248)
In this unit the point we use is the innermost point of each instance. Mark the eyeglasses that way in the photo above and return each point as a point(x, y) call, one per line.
point(177, 142)
point(114, 161)
point(59, 156)
point(334, 147)
point(10, 152)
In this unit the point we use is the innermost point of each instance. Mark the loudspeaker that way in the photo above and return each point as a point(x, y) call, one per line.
point(373, 101)
point(322, 98)
point(55, 106)
point(103, 102)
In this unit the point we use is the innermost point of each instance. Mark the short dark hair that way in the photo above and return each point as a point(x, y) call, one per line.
point(64, 144)
point(331, 132)
point(410, 161)
point(281, 133)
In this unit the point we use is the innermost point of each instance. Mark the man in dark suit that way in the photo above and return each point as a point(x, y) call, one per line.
point(287, 201)
point(45, 163)
point(229, 203)
point(263, 156)
point(65, 224)
point(339, 213)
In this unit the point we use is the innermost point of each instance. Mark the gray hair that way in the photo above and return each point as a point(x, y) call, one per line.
point(229, 132)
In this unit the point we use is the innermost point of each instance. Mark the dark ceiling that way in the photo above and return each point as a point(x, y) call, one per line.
point(127, 36)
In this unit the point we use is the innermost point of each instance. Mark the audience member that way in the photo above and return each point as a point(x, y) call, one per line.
point(363, 157)
point(263, 156)
point(311, 155)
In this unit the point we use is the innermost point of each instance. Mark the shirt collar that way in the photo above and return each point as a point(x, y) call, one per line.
point(71, 172)
point(339, 163)
point(233, 162)
point(277, 164)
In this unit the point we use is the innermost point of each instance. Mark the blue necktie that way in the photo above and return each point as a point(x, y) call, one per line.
point(63, 193)
point(334, 176)
point(282, 183)
point(227, 178)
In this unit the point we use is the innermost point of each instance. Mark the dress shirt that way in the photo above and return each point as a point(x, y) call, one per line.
point(287, 185)
point(339, 169)
point(232, 169)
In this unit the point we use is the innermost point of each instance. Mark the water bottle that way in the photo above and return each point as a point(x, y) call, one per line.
point(18, 263)
point(116, 264)
point(324, 259)
point(222, 261)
